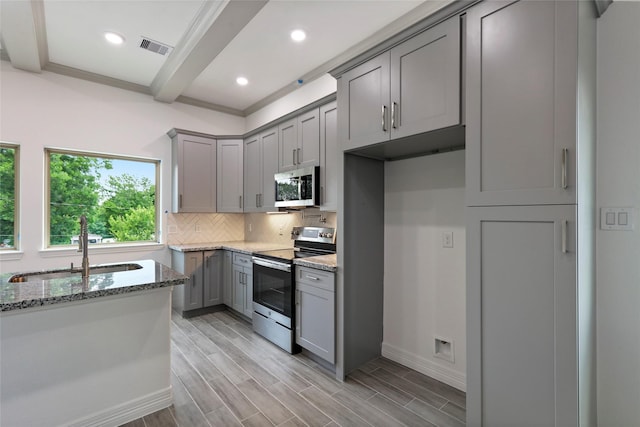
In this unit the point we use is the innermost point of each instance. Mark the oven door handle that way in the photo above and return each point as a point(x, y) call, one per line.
point(272, 264)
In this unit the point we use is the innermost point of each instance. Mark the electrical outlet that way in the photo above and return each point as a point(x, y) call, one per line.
point(447, 239)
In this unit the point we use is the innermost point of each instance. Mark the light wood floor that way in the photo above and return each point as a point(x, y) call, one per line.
point(225, 375)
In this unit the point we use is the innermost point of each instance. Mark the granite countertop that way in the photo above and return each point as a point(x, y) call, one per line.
point(320, 262)
point(236, 246)
point(39, 292)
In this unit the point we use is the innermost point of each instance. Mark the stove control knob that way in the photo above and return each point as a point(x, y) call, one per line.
point(328, 235)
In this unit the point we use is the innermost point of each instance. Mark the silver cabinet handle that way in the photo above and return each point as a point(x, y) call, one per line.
point(240, 202)
point(298, 156)
point(393, 115)
point(180, 201)
point(384, 118)
point(564, 236)
point(294, 156)
point(261, 199)
point(312, 277)
point(297, 296)
point(565, 159)
point(257, 200)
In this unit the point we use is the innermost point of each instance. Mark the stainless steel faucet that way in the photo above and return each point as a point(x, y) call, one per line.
point(83, 245)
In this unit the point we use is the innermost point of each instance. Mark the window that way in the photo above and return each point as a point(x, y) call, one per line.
point(117, 195)
point(9, 159)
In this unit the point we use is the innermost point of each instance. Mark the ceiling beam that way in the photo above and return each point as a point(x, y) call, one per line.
point(24, 34)
point(216, 24)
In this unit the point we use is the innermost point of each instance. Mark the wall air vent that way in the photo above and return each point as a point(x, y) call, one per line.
point(154, 46)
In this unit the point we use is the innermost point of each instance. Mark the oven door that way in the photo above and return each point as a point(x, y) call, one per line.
point(273, 286)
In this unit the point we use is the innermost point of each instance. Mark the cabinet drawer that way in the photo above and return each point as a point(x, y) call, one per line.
point(318, 278)
point(242, 259)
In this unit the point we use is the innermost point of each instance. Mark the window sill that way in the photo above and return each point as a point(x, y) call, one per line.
point(11, 255)
point(111, 249)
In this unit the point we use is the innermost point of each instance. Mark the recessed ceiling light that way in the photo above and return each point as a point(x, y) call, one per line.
point(242, 81)
point(114, 38)
point(298, 35)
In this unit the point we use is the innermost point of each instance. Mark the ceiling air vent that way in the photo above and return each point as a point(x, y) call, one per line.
point(154, 46)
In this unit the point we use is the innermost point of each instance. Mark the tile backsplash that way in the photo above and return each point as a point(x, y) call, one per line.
point(261, 227)
point(186, 228)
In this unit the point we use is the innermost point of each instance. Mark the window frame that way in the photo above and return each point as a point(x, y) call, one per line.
point(101, 155)
point(16, 194)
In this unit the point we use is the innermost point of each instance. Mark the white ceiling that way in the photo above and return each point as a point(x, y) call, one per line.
point(214, 42)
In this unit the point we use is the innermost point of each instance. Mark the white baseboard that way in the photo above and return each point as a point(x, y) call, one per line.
point(425, 366)
point(128, 411)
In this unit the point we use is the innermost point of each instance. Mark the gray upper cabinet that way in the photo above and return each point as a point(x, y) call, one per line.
point(425, 81)
point(230, 175)
point(411, 89)
point(329, 157)
point(193, 173)
point(363, 101)
point(299, 141)
point(260, 164)
point(521, 103)
point(252, 173)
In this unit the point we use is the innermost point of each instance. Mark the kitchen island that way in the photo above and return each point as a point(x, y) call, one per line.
point(91, 351)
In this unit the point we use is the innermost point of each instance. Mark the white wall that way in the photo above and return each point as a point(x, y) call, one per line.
point(424, 283)
point(50, 110)
point(304, 95)
point(618, 185)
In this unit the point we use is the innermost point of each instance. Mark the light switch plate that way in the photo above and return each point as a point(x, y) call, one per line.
point(447, 239)
point(617, 218)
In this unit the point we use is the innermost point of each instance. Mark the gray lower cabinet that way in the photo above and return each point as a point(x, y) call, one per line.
point(204, 288)
point(315, 312)
point(411, 89)
point(227, 278)
point(242, 299)
point(522, 319)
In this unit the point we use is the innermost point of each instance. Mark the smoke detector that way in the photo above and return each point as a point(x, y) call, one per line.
point(154, 46)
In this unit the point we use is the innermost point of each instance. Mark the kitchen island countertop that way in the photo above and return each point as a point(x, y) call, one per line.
point(36, 293)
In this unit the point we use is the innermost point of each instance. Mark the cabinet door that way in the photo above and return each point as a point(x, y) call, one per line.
point(425, 81)
point(239, 289)
point(269, 142)
point(308, 150)
point(288, 139)
point(193, 288)
point(329, 157)
point(227, 279)
point(315, 320)
point(248, 282)
point(521, 316)
point(521, 103)
point(252, 174)
point(363, 104)
point(212, 283)
point(194, 174)
point(230, 175)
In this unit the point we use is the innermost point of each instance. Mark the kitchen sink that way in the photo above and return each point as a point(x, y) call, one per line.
point(72, 272)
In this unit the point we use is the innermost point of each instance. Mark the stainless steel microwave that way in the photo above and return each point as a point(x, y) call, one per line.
point(298, 188)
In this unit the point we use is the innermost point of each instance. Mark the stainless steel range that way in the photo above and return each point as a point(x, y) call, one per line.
point(274, 284)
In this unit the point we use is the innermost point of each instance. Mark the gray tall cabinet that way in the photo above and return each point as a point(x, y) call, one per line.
point(530, 219)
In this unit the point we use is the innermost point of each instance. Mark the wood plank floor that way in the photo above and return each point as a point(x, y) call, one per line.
point(225, 375)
